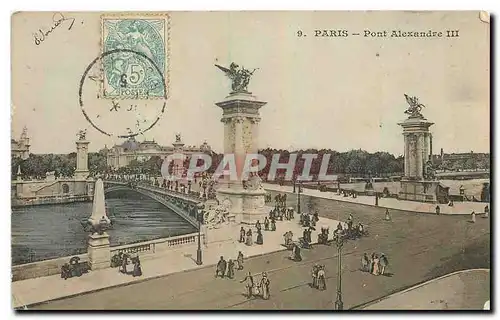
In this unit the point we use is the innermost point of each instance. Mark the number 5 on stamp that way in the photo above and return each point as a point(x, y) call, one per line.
point(140, 63)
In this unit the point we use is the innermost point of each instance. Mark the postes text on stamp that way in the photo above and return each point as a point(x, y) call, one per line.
point(129, 75)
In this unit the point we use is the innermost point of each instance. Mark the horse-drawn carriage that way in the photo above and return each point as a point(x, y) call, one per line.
point(74, 268)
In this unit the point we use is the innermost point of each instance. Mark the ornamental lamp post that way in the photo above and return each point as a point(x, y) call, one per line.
point(200, 208)
point(339, 241)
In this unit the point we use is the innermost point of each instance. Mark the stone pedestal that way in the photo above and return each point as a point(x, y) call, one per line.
point(421, 190)
point(82, 160)
point(247, 206)
point(241, 118)
point(99, 251)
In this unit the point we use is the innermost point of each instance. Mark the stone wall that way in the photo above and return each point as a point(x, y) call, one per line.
point(42, 268)
point(145, 250)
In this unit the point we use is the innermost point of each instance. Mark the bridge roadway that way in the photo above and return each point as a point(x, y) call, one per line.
point(182, 204)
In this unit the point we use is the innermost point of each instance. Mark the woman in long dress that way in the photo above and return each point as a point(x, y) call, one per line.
point(321, 278)
point(260, 239)
point(264, 286)
point(376, 266)
point(249, 241)
point(239, 260)
point(137, 268)
point(296, 254)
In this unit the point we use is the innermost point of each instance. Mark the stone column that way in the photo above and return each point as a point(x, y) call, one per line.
point(255, 134)
point(406, 156)
point(82, 160)
point(418, 156)
point(239, 149)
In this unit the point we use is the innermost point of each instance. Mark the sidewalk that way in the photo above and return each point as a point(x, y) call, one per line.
point(37, 290)
point(390, 203)
point(466, 289)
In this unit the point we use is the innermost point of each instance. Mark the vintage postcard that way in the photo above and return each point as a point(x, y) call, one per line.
point(306, 160)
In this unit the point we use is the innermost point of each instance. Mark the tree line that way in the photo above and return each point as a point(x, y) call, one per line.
point(358, 163)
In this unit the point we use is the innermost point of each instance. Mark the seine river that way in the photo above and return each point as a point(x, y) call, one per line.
point(51, 231)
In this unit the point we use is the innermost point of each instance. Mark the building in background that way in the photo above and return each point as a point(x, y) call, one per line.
point(21, 148)
point(121, 155)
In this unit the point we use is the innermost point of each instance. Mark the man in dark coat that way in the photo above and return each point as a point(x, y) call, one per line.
point(242, 235)
point(230, 269)
point(221, 268)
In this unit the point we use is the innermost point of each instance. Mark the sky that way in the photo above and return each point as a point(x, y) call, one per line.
point(340, 93)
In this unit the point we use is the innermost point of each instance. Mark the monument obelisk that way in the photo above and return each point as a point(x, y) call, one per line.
point(419, 182)
point(240, 115)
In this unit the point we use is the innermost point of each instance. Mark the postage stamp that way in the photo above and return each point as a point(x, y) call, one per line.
point(134, 73)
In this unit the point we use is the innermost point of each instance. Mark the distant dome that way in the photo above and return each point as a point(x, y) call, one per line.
point(130, 144)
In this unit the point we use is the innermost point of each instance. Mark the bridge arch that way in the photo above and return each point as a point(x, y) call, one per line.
point(176, 204)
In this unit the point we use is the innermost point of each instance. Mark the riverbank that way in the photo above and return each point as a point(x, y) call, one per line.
point(463, 208)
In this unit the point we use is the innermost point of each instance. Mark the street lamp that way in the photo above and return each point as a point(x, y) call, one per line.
point(200, 208)
point(298, 197)
point(339, 239)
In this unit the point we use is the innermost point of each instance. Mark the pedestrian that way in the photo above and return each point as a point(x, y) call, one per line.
point(315, 276)
point(273, 224)
point(486, 212)
point(264, 286)
point(258, 226)
point(248, 284)
point(249, 240)
point(242, 235)
point(383, 263)
point(137, 267)
point(321, 278)
point(260, 239)
point(296, 253)
point(365, 262)
point(239, 260)
point(372, 261)
point(387, 215)
point(230, 269)
point(473, 217)
point(221, 268)
point(266, 224)
point(376, 266)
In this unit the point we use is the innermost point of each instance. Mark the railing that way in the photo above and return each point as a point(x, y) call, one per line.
point(192, 196)
point(153, 246)
point(31, 201)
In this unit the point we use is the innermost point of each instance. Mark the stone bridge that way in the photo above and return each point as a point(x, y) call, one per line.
point(180, 203)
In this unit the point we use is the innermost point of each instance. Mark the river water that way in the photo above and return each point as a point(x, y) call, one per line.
point(51, 231)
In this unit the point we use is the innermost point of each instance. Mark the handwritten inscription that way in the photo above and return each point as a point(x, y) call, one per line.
point(58, 18)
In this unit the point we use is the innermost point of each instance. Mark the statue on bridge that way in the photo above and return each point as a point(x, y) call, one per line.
point(253, 183)
point(82, 134)
point(240, 77)
point(414, 107)
point(215, 216)
point(429, 171)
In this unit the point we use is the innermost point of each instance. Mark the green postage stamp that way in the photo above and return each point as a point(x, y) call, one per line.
point(137, 64)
